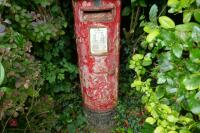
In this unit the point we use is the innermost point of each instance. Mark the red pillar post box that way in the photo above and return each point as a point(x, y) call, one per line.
point(97, 29)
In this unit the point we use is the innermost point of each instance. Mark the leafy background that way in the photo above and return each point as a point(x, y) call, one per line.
point(39, 84)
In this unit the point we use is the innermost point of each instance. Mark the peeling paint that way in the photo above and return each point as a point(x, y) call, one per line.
point(98, 73)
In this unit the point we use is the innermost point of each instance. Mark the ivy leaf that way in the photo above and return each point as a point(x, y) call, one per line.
point(153, 14)
point(126, 11)
point(2, 73)
point(166, 22)
point(192, 82)
point(177, 50)
point(197, 16)
point(196, 34)
point(187, 16)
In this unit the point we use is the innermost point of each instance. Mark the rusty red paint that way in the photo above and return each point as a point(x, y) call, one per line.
point(98, 73)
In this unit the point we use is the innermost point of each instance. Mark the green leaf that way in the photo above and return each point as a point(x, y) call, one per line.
point(172, 132)
point(172, 3)
point(197, 96)
point(184, 131)
point(147, 128)
point(136, 83)
point(198, 2)
point(185, 119)
point(150, 120)
point(137, 57)
point(192, 82)
point(161, 78)
point(197, 16)
point(192, 67)
point(196, 34)
point(126, 11)
point(195, 55)
point(171, 90)
point(167, 37)
point(194, 105)
point(2, 28)
point(33, 93)
point(147, 61)
point(186, 27)
point(44, 3)
point(160, 92)
point(153, 14)
point(152, 35)
point(149, 27)
point(177, 50)
point(132, 1)
point(71, 128)
point(80, 120)
point(187, 15)
point(166, 108)
point(2, 73)
point(141, 3)
point(166, 66)
point(19, 40)
point(159, 130)
point(166, 22)
point(6, 90)
point(172, 118)
point(186, 3)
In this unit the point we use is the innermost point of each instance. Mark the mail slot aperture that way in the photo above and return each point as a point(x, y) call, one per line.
point(97, 15)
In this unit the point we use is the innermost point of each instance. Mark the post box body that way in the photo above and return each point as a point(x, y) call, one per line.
point(97, 29)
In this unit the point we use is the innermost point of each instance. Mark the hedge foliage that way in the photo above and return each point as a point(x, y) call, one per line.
point(39, 82)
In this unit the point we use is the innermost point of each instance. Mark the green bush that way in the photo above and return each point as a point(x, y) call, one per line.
point(37, 79)
point(167, 68)
point(39, 86)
